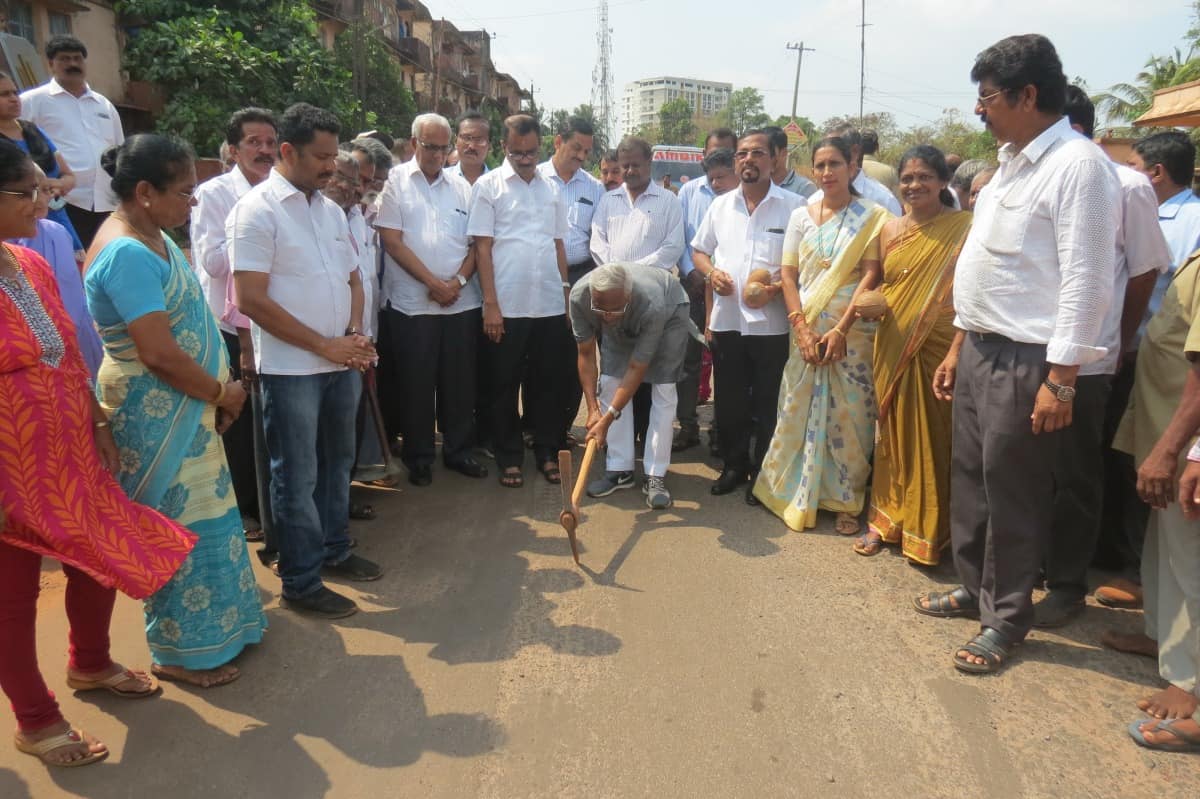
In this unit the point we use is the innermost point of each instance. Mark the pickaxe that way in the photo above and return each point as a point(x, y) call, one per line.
point(572, 491)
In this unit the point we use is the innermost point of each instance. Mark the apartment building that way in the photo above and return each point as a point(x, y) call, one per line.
point(643, 99)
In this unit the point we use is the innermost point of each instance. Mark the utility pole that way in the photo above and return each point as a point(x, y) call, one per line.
point(602, 82)
point(799, 48)
point(359, 61)
point(862, 61)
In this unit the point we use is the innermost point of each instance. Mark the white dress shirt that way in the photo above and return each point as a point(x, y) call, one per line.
point(304, 245)
point(1038, 265)
point(648, 231)
point(82, 128)
point(1141, 248)
point(740, 242)
point(456, 170)
point(582, 194)
point(433, 219)
point(368, 273)
point(523, 220)
point(870, 189)
point(215, 198)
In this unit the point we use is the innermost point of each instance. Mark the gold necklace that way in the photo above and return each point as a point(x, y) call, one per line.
point(137, 234)
point(827, 257)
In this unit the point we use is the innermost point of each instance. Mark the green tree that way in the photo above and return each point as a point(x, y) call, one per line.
point(212, 57)
point(1128, 101)
point(883, 123)
point(675, 119)
point(386, 103)
point(744, 111)
point(951, 134)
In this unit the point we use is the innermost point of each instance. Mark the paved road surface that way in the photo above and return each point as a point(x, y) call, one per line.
point(702, 652)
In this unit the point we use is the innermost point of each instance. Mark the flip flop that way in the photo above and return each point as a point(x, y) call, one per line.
point(512, 479)
point(846, 525)
point(1190, 743)
point(866, 546)
point(44, 747)
point(549, 470)
point(111, 682)
point(168, 677)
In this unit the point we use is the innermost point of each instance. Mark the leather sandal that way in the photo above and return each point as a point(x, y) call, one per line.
point(941, 606)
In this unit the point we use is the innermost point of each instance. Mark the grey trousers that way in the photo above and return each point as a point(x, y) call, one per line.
point(1002, 479)
point(1171, 577)
point(1078, 489)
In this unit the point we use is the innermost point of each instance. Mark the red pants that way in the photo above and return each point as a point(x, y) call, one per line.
point(89, 610)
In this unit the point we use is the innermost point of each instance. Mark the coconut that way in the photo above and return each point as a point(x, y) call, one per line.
point(756, 295)
point(759, 276)
point(871, 304)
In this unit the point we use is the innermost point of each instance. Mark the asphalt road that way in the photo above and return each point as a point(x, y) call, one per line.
point(704, 651)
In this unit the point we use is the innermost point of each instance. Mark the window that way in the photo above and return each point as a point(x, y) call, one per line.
point(20, 21)
point(59, 24)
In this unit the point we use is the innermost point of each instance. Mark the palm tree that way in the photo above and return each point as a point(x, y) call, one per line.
point(1128, 101)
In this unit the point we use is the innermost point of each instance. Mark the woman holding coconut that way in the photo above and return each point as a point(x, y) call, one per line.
point(819, 457)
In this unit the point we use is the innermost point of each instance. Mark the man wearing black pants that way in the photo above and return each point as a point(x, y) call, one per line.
point(432, 302)
point(1079, 474)
point(518, 220)
point(743, 231)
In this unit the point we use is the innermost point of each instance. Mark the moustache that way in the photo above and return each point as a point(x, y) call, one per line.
point(265, 159)
point(74, 70)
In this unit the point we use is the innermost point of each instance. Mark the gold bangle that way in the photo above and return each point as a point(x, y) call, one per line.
point(220, 393)
point(796, 315)
point(837, 330)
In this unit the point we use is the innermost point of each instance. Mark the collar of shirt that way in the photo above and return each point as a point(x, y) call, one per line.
point(548, 170)
point(1170, 209)
point(414, 168)
point(652, 190)
point(282, 188)
point(1041, 144)
point(57, 88)
point(238, 182)
point(774, 192)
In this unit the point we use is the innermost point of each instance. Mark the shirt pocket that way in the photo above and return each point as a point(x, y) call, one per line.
point(1005, 232)
point(768, 250)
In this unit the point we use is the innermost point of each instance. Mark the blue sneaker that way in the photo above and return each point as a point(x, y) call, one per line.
point(610, 482)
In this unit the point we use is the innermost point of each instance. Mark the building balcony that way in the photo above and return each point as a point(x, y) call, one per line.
point(415, 53)
point(476, 84)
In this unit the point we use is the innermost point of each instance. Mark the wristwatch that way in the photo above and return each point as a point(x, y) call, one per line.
point(1061, 393)
point(615, 413)
point(462, 281)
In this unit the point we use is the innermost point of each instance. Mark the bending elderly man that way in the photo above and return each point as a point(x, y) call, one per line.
point(643, 314)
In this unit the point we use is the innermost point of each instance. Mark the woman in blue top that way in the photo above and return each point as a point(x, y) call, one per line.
point(30, 138)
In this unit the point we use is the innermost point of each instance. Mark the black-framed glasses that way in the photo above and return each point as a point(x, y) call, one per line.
point(434, 148)
point(29, 194)
point(522, 155)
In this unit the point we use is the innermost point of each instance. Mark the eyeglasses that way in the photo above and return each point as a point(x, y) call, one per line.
point(434, 148)
point(606, 312)
point(742, 155)
point(986, 100)
point(473, 139)
point(31, 194)
point(520, 156)
point(187, 194)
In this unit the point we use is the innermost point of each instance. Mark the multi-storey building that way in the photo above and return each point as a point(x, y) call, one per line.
point(643, 99)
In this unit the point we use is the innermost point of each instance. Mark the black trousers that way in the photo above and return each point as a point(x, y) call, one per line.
point(85, 222)
point(1001, 480)
point(1078, 489)
point(1124, 517)
point(546, 346)
point(388, 386)
point(747, 371)
point(239, 441)
point(436, 365)
point(688, 388)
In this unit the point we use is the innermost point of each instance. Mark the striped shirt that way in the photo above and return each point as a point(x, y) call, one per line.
point(582, 193)
point(648, 231)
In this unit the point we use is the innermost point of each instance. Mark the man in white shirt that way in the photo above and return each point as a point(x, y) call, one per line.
point(518, 218)
point(473, 142)
point(865, 185)
point(297, 279)
point(639, 222)
point(1031, 290)
point(1080, 472)
point(432, 302)
point(82, 124)
point(695, 197)
point(743, 231)
point(251, 139)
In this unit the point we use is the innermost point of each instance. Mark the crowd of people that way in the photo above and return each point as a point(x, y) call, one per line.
point(990, 359)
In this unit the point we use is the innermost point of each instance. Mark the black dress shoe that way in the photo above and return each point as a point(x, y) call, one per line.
point(355, 568)
point(468, 466)
point(751, 500)
point(325, 603)
point(728, 482)
point(420, 475)
point(684, 440)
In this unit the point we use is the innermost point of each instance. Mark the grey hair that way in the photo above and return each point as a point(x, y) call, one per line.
point(344, 158)
point(381, 156)
point(430, 119)
point(613, 276)
point(967, 171)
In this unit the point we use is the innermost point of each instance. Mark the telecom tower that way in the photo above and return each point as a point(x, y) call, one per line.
point(602, 82)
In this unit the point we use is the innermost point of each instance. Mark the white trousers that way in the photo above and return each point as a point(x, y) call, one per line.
point(657, 455)
point(1171, 583)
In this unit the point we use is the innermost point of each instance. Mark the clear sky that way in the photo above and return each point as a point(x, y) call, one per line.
point(919, 52)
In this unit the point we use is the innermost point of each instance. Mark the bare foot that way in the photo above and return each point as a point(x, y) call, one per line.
point(201, 678)
point(1133, 643)
point(87, 745)
point(1166, 738)
point(1170, 703)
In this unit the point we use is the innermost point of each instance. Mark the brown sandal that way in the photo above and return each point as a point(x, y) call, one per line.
point(512, 478)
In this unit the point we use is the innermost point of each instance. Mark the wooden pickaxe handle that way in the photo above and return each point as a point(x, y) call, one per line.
point(581, 479)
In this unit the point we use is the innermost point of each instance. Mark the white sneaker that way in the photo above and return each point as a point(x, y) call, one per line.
point(657, 495)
